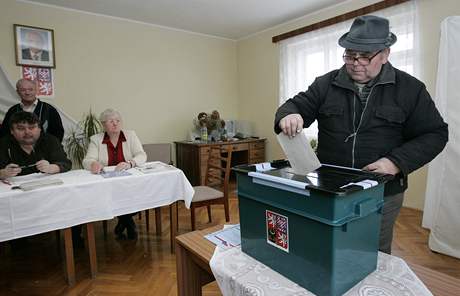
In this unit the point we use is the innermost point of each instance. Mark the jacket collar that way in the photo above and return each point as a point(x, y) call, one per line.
point(387, 75)
point(106, 138)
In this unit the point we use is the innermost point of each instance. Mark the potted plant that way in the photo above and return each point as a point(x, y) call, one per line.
point(77, 141)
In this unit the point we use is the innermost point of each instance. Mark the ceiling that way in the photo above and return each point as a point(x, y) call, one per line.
point(232, 19)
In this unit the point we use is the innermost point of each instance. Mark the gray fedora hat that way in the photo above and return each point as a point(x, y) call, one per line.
point(368, 33)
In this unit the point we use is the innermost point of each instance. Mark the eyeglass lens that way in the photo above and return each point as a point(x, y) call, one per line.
point(362, 59)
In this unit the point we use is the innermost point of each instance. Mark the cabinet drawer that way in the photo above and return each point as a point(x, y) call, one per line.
point(240, 147)
point(257, 153)
point(257, 145)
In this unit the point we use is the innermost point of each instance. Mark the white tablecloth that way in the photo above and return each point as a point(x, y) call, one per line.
point(240, 275)
point(85, 197)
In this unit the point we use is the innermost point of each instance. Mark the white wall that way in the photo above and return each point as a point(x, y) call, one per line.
point(159, 79)
point(258, 61)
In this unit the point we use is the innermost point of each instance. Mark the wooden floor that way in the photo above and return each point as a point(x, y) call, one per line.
point(146, 267)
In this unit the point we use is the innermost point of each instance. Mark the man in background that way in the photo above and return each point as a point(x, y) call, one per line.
point(50, 120)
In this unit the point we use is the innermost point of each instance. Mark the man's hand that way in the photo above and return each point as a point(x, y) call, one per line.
point(291, 124)
point(383, 166)
point(45, 167)
point(10, 170)
point(122, 166)
point(96, 167)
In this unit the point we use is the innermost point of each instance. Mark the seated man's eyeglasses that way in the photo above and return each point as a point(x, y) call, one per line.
point(363, 59)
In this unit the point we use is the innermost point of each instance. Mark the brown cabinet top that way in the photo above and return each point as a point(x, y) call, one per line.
point(198, 143)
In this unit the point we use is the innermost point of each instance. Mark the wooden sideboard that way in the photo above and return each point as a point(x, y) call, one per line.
point(192, 157)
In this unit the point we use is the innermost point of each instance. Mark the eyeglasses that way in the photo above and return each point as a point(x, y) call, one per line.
point(362, 60)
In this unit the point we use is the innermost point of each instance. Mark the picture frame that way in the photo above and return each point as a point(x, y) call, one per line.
point(34, 46)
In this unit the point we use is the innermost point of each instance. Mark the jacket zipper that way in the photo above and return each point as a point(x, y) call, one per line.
point(355, 131)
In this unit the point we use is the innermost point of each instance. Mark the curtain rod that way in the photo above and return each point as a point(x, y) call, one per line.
point(338, 19)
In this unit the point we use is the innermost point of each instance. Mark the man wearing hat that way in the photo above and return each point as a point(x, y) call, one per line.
point(370, 115)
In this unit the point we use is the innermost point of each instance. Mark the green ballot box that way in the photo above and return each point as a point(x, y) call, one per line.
point(320, 230)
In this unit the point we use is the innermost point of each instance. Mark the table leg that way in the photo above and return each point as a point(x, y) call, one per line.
point(70, 265)
point(158, 220)
point(58, 240)
point(92, 249)
point(173, 224)
point(147, 220)
point(188, 273)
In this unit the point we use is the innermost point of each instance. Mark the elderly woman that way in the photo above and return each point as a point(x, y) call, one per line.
point(119, 148)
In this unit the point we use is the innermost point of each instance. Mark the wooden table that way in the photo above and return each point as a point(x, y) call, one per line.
point(69, 258)
point(85, 198)
point(193, 253)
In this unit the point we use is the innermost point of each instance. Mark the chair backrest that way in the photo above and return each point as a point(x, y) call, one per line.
point(158, 152)
point(219, 167)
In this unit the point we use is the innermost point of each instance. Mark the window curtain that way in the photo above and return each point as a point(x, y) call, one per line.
point(304, 57)
point(442, 205)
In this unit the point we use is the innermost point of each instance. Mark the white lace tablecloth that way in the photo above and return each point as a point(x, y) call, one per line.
point(84, 197)
point(238, 274)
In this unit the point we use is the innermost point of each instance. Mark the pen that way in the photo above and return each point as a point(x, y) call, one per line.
point(27, 166)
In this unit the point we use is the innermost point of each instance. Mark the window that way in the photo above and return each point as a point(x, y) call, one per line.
point(307, 56)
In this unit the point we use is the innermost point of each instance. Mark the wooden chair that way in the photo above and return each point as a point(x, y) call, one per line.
point(215, 190)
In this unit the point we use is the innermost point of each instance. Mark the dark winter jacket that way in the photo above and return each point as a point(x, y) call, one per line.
point(399, 121)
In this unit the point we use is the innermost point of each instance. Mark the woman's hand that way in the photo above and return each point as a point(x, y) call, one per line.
point(122, 166)
point(96, 167)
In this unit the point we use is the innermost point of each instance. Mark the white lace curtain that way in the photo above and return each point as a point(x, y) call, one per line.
point(315, 53)
point(442, 205)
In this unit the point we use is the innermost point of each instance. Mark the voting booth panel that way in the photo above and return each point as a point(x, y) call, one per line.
point(320, 230)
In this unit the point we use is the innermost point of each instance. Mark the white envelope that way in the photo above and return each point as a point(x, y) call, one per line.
point(301, 156)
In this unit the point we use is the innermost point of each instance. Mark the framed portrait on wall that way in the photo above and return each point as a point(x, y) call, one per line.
point(34, 46)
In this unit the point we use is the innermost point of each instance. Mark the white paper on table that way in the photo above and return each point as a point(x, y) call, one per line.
point(301, 156)
point(228, 237)
point(155, 166)
point(110, 168)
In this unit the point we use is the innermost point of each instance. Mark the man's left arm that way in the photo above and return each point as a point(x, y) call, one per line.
point(426, 135)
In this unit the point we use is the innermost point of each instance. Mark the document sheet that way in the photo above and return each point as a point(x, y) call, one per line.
point(301, 156)
point(228, 237)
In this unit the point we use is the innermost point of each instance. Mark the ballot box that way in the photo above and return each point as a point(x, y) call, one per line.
point(320, 230)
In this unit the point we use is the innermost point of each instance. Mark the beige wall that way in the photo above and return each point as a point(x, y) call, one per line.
point(258, 73)
point(158, 78)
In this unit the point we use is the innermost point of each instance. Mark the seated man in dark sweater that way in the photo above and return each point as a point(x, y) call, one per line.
point(27, 150)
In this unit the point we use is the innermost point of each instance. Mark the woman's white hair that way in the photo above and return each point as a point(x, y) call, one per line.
point(109, 113)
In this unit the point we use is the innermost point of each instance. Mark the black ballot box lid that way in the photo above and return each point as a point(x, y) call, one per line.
point(330, 179)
